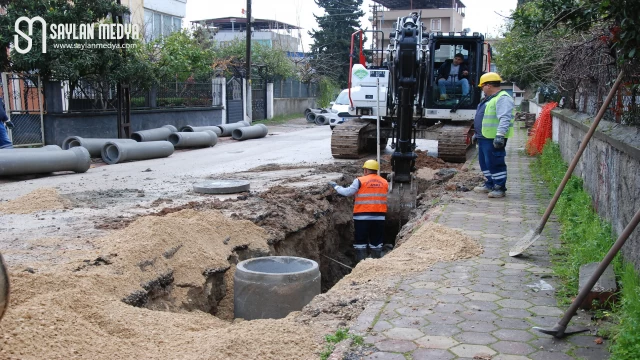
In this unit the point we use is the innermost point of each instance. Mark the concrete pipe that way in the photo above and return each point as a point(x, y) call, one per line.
point(271, 287)
point(250, 132)
point(322, 120)
point(227, 129)
point(311, 117)
point(114, 153)
point(41, 162)
point(158, 134)
point(193, 139)
point(44, 148)
point(190, 128)
point(92, 144)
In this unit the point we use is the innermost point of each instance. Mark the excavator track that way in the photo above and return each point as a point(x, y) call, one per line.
point(348, 140)
point(454, 141)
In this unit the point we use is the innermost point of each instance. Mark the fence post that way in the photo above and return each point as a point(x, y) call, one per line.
point(270, 103)
point(153, 96)
point(218, 88)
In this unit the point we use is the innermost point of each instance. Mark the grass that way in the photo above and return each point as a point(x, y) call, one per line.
point(333, 339)
point(280, 119)
point(586, 238)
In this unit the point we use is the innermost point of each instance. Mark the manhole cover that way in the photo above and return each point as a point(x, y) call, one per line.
point(221, 186)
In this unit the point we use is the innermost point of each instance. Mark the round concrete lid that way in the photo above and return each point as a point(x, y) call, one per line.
point(221, 186)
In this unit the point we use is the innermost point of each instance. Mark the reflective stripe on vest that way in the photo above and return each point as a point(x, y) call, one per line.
point(490, 121)
point(372, 195)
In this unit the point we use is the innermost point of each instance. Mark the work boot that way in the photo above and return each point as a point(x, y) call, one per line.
point(443, 97)
point(376, 253)
point(361, 254)
point(497, 192)
point(482, 189)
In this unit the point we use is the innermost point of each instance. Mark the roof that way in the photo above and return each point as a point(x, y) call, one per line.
point(420, 4)
point(227, 23)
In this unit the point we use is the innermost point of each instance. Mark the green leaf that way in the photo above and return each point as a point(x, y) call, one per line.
point(632, 53)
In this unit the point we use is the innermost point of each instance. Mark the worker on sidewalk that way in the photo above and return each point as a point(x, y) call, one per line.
point(5, 123)
point(369, 209)
point(493, 126)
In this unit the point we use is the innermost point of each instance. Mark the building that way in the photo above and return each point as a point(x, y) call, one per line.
point(437, 15)
point(159, 17)
point(270, 33)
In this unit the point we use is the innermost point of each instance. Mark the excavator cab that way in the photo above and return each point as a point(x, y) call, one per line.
point(445, 91)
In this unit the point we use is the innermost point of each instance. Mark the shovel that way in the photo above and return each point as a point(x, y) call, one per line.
point(533, 235)
point(560, 330)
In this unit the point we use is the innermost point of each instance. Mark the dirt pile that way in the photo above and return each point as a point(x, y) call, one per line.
point(38, 200)
point(76, 310)
point(423, 161)
point(373, 279)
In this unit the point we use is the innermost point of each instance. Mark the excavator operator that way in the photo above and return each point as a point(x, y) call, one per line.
point(369, 209)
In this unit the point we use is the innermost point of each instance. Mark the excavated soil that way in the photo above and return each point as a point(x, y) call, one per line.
point(160, 286)
point(38, 200)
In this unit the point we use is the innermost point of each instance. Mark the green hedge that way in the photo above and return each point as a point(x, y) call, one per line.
point(586, 238)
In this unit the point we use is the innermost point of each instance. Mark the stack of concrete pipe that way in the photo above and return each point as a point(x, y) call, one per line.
point(227, 129)
point(205, 138)
point(158, 134)
point(93, 145)
point(190, 128)
point(44, 160)
point(117, 152)
point(250, 132)
point(311, 114)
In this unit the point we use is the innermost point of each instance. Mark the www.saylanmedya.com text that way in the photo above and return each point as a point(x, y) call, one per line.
point(79, 46)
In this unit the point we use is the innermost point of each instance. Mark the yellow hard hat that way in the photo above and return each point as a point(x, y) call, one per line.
point(371, 165)
point(489, 77)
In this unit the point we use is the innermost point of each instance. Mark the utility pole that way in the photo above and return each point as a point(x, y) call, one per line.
point(248, 62)
point(122, 91)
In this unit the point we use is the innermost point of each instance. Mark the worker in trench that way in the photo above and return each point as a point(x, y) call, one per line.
point(369, 209)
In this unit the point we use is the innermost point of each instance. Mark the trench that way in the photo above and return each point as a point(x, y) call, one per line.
point(328, 240)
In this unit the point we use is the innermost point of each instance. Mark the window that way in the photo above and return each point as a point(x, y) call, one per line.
point(435, 24)
point(157, 24)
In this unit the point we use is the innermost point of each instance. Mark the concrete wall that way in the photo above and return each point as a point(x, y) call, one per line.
point(610, 168)
point(288, 106)
point(104, 125)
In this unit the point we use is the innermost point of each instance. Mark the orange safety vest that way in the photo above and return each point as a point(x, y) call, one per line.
point(372, 195)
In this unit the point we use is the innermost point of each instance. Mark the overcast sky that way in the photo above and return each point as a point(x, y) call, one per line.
point(481, 15)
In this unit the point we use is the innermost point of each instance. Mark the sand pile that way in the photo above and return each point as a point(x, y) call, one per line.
point(41, 199)
point(431, 243)
point(187, 242)
point(423, 161)
point(75, 310)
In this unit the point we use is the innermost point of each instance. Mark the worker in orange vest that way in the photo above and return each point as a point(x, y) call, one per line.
point(369, 209)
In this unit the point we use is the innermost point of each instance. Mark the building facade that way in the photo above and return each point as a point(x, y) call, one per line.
point(270, 33)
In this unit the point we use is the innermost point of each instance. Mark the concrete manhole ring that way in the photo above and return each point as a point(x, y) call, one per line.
point(221, 186)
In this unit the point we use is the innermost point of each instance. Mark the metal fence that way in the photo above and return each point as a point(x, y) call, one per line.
point(95, 95)
point(292, 88)
point(22, 96)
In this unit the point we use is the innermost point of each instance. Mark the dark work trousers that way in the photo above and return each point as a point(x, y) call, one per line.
point(368, 232)
point(492, 163)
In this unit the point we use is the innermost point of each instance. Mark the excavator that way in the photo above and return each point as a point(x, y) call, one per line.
point(404, 93)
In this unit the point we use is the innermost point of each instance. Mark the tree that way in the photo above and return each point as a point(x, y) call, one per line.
point(332, 39)
point(268, 62)
point(180, 55)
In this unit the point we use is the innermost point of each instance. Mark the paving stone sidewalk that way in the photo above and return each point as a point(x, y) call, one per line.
point(482, 308)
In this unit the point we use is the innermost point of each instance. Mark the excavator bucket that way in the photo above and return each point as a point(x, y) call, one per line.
point(402, 198)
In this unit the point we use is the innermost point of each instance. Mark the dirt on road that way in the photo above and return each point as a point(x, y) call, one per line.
point(157, 283)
